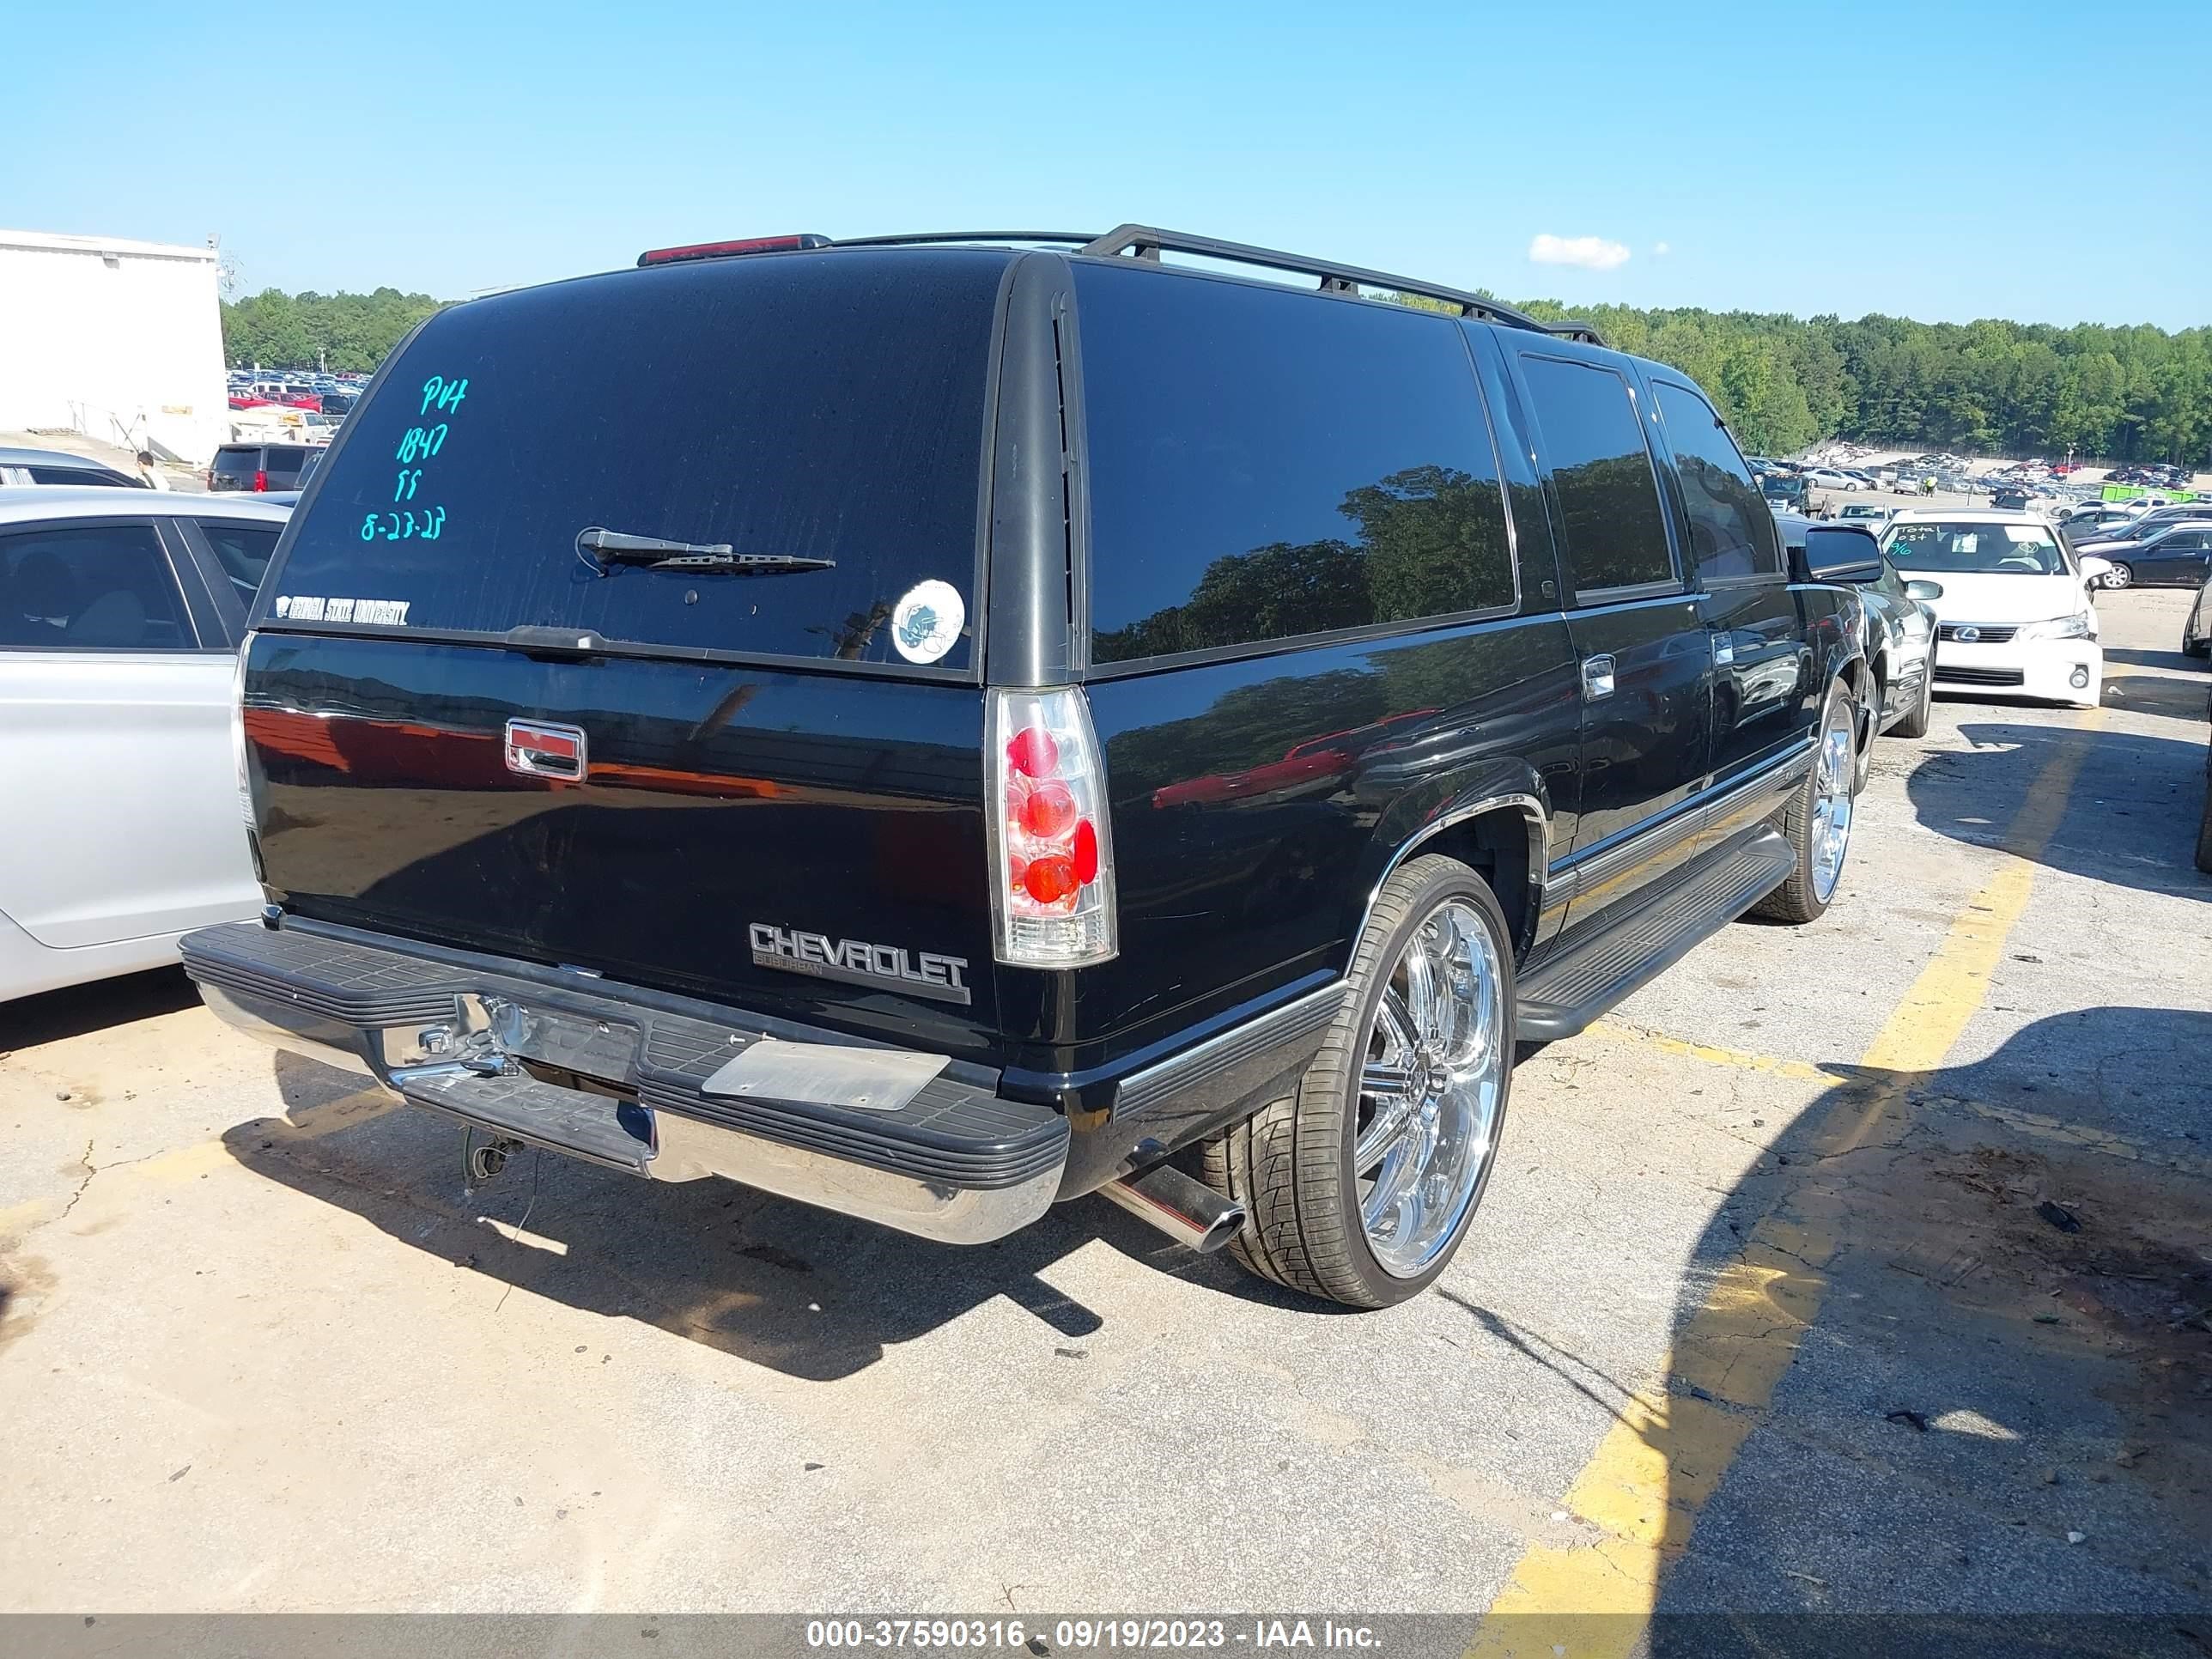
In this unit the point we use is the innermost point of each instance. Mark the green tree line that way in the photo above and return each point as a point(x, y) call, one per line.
point(347, 331)
point(2133, 394)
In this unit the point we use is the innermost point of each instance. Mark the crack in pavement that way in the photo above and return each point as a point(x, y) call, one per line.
point(86, 1164)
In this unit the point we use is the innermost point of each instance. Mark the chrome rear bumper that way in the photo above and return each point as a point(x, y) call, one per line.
point(880, 1133)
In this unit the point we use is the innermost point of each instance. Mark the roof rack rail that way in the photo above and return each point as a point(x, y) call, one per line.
point(1069, 238)
point(1149, 242)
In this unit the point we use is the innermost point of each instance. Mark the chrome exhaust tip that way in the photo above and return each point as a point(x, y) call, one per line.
point(1193, 1215)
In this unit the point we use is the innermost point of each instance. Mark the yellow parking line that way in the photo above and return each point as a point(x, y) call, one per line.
point(2036, 1125)
point(1671, 1445)
point(1804, 1071)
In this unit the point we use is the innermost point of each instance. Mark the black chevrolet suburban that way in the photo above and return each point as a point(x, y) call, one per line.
point(936, 725)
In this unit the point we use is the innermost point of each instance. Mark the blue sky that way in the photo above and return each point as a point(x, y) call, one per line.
point(1925, 160)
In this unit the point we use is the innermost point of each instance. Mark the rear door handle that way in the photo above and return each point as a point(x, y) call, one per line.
point(1597, 679)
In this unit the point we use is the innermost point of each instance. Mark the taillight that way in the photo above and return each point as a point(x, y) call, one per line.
point(260, 479)
point(1052, 845)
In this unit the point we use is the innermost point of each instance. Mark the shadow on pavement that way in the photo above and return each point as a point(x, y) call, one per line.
point(804, 1291)
point(56, 1016)
point(1944, 1353)
point(2131, 818)
point(2163, 695)
point(2173, 661)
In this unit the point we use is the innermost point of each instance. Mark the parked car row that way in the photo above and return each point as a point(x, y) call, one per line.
point(2157, 475)
point(325, 394)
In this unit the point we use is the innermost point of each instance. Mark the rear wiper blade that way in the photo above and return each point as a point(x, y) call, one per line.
point(600, 547)
point(742, 564)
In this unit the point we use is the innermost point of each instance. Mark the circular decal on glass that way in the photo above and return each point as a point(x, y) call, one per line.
point(927, 621)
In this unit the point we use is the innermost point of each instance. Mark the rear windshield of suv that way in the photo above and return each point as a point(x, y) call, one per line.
point(242, 464)
point(822, 406)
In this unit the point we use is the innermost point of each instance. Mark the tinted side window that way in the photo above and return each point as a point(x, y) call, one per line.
point(286, 457)
point(1265, 464)
point(98, 587)
point(243, 551)
point(1731, 531)
point(1608, 494)
point(79, 475)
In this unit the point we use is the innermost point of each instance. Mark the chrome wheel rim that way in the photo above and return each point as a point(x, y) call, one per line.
point(1831, 809)
point(1431, 1089)
point(2118, 576)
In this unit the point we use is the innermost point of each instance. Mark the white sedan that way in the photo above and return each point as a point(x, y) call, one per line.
point(1824, 477)
point(121, 612)
point(2011, 601)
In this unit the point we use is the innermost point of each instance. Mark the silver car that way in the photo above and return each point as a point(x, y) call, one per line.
point(59, 467)
point(121, 612)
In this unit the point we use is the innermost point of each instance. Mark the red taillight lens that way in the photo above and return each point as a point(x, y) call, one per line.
point(1051, 845)
point(260, 479)
point(670, 256)
point(1048, 813)
point(1049, 881)
point(1032, 752)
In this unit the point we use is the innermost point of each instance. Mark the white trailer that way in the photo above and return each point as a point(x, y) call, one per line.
point(120, 341)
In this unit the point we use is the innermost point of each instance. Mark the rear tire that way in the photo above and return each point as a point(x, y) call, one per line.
point(1817, 823)
point(1914, 723)
point(1299, 1166)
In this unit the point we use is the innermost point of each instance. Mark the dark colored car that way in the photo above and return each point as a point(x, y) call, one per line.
point(262, 466)
point(2175, 558)
point(981, 725)
point(1899, 637)
point(1784, 491)
point(2197, 629)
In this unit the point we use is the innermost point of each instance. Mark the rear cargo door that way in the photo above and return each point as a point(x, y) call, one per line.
point(484, 711)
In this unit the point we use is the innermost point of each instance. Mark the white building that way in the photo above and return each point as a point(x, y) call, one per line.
point(120, 341)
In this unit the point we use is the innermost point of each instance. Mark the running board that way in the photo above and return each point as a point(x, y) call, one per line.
point(1585, 976)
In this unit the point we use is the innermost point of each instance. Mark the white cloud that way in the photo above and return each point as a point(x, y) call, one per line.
point(1591, 252)
point(1660, 250)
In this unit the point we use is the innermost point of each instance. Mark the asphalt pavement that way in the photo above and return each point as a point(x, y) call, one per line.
point(1864, 1266)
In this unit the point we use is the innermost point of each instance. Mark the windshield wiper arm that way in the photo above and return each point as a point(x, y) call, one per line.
point(620, 547)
